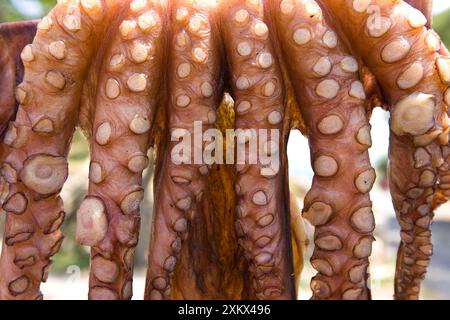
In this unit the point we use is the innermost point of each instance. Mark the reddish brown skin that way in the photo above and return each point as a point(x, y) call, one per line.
point(32, 233)
point(213, 247)
point(13, 37)
point(266, 246)
point(426, 6)
point(116, 250)
point(345, 199)
point(180, 188)
point(404, 173)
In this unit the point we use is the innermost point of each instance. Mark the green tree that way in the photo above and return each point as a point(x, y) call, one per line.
point(9, 12)
point(442, 26)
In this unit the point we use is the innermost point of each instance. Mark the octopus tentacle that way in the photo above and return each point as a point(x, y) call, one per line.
point(194, 85)
point(35, 147)
point(128, 88)
point(262, 212)
point(426, 7)
point(442, 193)
point(13, 38)
point(331, 97)
point(415, 213)
point(299, 239)
point(402, 54)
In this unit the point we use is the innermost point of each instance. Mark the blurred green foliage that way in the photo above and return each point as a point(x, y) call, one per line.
point(71, 252)
point(79, 150)
point(10, 12)
point(442, 26)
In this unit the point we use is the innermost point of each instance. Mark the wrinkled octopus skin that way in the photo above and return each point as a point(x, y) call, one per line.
point(193, 83)
point(326, 82)
point(403, 56)
point(137, 74)
point(125, 103)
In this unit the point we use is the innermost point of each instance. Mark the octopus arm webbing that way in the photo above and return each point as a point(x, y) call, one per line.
point(193, 81)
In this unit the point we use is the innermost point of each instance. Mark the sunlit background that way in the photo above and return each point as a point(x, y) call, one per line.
point(68, 279)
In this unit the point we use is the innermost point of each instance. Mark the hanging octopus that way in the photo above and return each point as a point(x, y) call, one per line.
point(135, 75)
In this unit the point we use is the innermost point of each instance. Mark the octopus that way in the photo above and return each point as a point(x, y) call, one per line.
point(135, 75)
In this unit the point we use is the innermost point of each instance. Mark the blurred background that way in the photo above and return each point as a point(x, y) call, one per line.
point(68, 279)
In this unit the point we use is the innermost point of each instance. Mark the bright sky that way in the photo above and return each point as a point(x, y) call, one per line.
point(298, 149)
point(441, 5)
point(30, 8)
point(33, 8)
